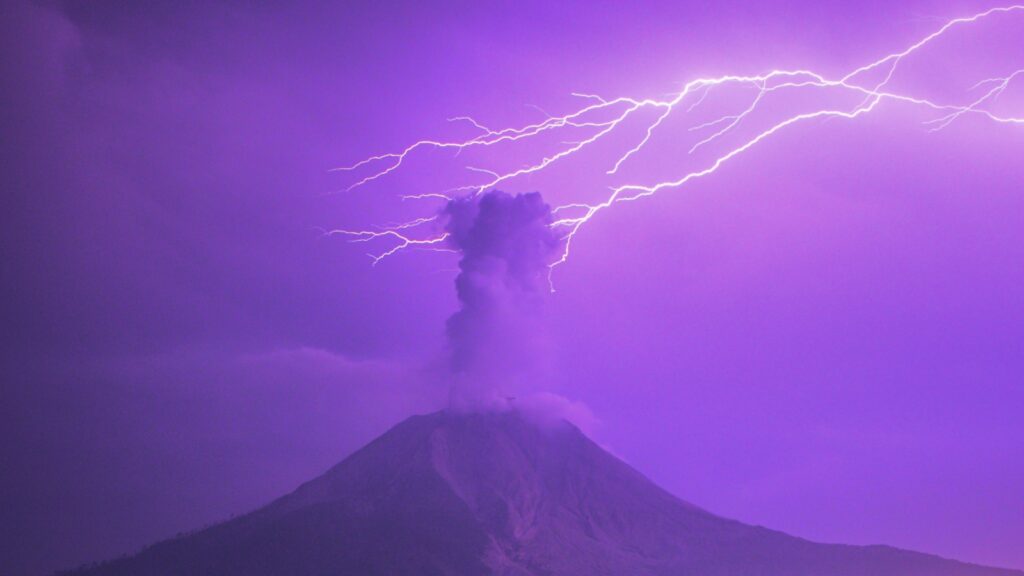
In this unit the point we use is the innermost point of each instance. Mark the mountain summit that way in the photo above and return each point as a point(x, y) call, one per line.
point(474, 494)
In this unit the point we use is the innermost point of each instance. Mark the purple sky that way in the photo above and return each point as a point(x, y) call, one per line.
point(826, 338)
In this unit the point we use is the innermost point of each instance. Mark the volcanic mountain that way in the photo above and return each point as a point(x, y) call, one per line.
point(468, 494)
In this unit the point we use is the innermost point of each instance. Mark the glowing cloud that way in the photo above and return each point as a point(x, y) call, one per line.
point(600, 117)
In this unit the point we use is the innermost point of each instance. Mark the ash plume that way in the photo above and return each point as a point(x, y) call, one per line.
point(496, 338)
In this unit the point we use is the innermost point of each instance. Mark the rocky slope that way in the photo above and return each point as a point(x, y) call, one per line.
point(466, 494)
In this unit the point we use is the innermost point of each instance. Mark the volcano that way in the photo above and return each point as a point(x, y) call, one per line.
point(496, 493)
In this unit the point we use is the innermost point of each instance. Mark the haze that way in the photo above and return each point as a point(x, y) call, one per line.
point(824, 339)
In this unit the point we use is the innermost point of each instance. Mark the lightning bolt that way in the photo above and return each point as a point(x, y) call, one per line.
point(599, 117)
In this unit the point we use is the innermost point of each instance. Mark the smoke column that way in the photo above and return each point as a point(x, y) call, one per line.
point(496, 337)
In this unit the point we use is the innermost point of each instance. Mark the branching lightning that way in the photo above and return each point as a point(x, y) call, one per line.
point(599, 117)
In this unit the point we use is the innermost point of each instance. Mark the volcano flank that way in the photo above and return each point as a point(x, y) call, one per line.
point(495, 493)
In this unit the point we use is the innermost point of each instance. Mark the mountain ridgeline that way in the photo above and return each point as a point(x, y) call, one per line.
point(481, 494)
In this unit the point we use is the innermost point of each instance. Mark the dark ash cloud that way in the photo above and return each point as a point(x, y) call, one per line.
point(496, 337)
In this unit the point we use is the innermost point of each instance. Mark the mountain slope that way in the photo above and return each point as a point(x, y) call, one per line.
point(451, 494)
